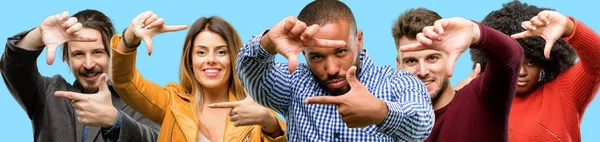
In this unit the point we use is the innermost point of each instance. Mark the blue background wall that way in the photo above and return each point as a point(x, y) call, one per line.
point(249, 18)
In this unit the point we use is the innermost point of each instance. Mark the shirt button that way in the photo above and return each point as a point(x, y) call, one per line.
point(336, 135)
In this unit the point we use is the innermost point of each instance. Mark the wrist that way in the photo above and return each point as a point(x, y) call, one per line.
point(570, 27)
point(32, 40)
point(382, 112)
point(112, 118)
point(269, 124)
point(129, 35)
point(266, 43)
point(476, 33)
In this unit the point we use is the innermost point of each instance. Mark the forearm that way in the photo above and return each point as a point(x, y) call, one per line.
point(586, 44)
point(271, 127)
point(131, 39)
point(19, 70)
point(266, 81)
point(266, 43)
point(142, 95)
point(411, 116)
point(277, 130)
point(580, 81)
point(132, 130)
point(497, 85)
point(502, 52)
point(32, 41)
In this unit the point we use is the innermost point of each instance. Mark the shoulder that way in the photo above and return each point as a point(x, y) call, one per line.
point(175, 89)
point(401, 79)
point(57, 82)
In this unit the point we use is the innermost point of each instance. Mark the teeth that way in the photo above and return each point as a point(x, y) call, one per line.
point(90, 74)
point(211, 71)
point(427, 82)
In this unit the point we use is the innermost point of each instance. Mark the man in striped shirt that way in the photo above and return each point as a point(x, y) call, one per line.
point(339, 95)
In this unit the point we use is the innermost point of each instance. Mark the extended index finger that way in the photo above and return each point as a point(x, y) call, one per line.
point(316, 42)
point(334, 100)
point(70, 95)
point(224, 105)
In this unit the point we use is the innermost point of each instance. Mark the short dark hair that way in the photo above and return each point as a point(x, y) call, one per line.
point(322, 12)
point(412, 22)
point(95, 19)
point(508, 21)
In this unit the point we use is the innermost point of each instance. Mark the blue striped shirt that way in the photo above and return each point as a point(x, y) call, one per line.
point(410, 116)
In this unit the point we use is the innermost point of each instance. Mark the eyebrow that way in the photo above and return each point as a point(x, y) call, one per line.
point(408, 58)
point(220, 46)
point(310, 54)
point(434, 54)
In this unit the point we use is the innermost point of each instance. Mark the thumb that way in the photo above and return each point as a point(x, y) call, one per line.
point(452, 57)
point(51, 53)
point(225, 105)
point(148, 41)
point(292, 61)
point(548, 47)
point(334, 100)
point(62, 16)
point(476, 71)
point(102, 85)
point(351, 77)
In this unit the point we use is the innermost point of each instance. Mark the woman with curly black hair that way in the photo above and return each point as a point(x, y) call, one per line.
point(552, 91)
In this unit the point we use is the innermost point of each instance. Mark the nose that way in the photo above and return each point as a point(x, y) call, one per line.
point(332, 67)
point(211, 60)
point(422, 71)
point(89, 62)
point(523, 72)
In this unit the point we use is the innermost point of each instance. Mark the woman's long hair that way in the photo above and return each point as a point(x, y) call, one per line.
point(188, 81)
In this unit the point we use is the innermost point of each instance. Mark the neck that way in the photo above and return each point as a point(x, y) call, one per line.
point(444, 98)
point(216, 95)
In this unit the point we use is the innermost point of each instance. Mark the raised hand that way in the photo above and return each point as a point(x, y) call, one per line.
point(550, 25)
point(93, 109)
point(468, 79)
point(247, 112)
point(290, 36)
point(59, 29)
point(146, 25)
point(358, 107)
point(452, 36)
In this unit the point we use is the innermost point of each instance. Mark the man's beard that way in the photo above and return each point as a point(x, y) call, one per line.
point(341, 90)
point(90, 86)
point(436, 94)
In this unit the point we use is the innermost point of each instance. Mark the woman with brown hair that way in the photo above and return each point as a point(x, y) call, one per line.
point(206, 75)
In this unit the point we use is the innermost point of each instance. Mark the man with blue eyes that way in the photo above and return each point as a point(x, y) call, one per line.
point(339, 95)
point(428, 47)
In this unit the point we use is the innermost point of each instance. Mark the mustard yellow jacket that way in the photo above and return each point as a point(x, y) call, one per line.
point(169, 106)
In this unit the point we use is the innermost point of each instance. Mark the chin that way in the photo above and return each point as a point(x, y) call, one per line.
point(521, 91)
point(214, 83)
